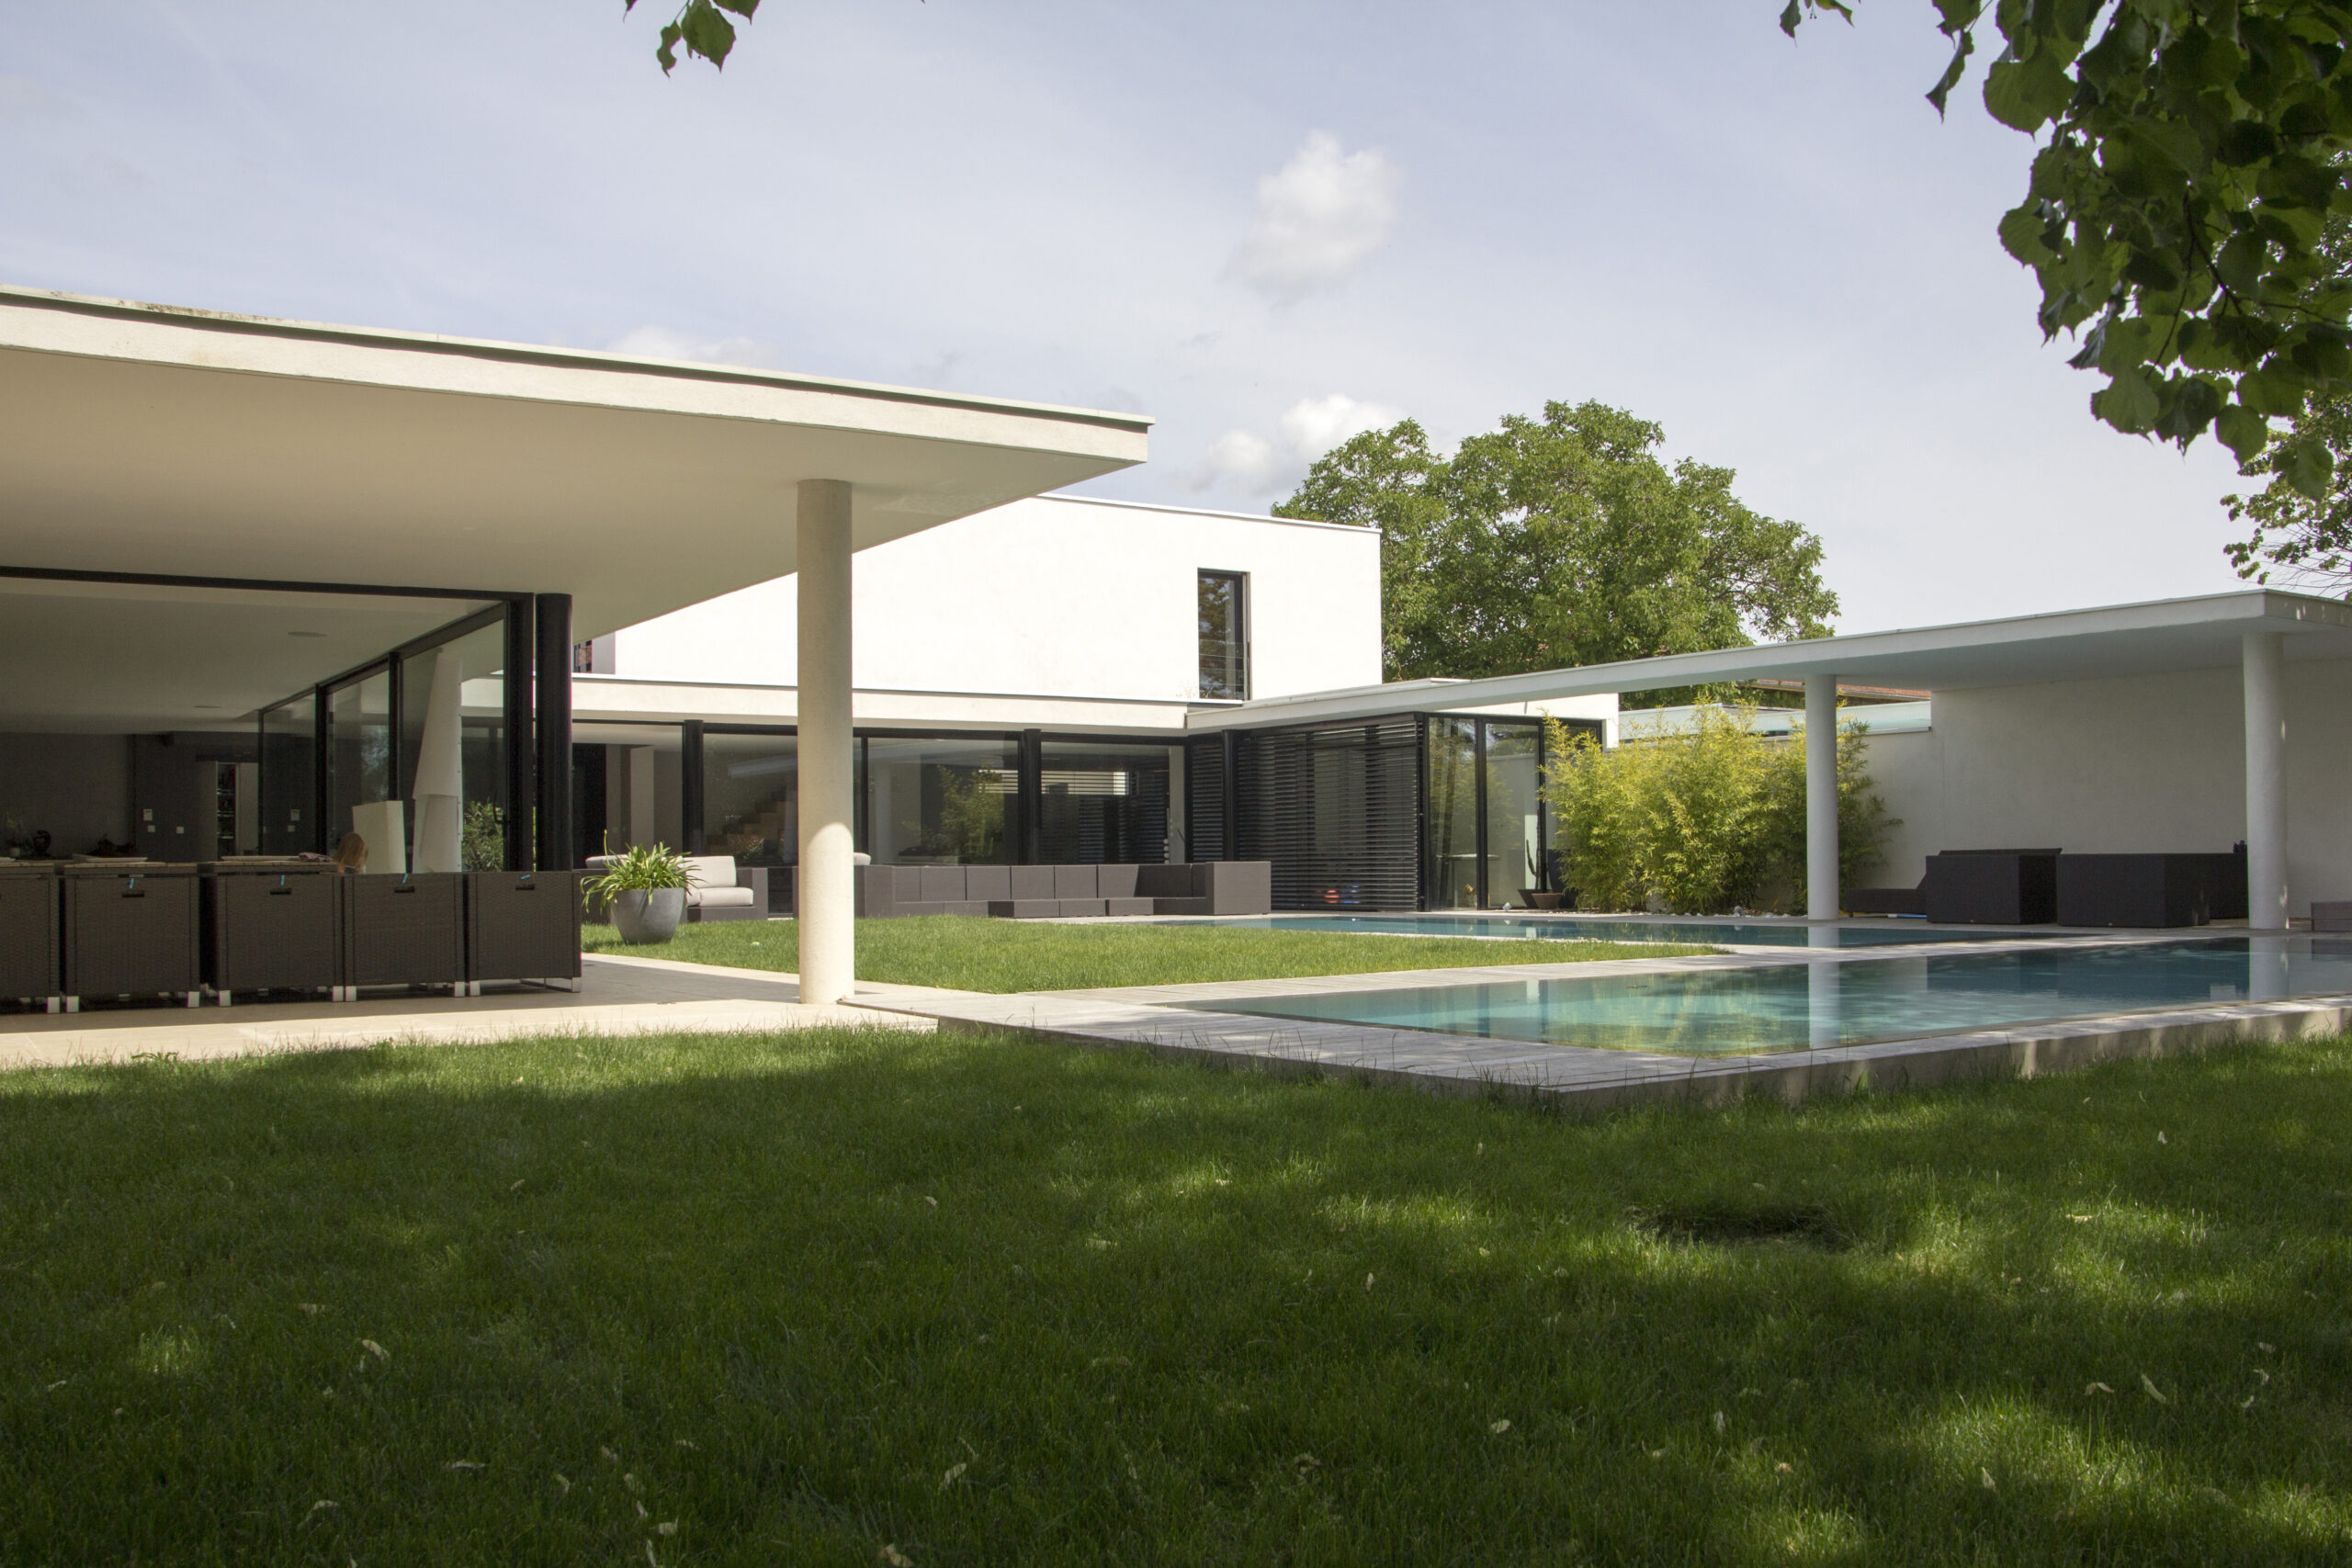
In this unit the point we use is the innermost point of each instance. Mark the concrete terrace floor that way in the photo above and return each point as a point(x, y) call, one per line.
point(615, 997)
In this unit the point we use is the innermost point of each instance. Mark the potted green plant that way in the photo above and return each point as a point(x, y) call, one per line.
point(646, 891)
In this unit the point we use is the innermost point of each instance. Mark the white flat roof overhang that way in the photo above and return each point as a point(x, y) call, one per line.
point(2159, 638)
point(147, 439)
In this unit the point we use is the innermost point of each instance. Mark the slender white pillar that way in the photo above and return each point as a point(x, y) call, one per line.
point(1823, 997)
point(2265, 781)
point(827, 897)
point(1821, 797)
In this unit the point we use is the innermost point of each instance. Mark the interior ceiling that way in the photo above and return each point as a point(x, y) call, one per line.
point(111, 658)
point(141, 439)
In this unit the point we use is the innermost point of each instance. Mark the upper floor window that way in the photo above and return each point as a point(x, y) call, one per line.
point(1224, 641)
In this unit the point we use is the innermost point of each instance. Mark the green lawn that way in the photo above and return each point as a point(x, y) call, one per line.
point(1034, 955)
point(828, 1298)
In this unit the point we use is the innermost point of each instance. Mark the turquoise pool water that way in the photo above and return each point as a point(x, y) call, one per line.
point(1745, 933)
point(1792, 1007)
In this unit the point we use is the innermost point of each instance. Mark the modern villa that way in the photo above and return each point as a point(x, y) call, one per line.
point(499, 606)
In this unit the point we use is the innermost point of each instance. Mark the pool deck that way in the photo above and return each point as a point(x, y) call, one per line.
point(1184, 1021)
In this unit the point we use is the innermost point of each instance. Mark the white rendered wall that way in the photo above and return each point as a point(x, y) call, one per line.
point(2132, 764)
point(1056, 597)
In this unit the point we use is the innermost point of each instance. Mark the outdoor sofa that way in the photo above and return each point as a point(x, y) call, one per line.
point(2039, 887)
point(1050, 892)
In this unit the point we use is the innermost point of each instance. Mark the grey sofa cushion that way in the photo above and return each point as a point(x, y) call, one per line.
point(940, 883)
point(1033, 882)
point(977, 907)
point(1075, 882)
point(1115, 880)
point(1024, 909)
point(1177, 881)
point(1240, 887)
point(982, 883)
point(1181, 906)
point(1129, 907)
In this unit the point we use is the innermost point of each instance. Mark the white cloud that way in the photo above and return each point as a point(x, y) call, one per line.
point(661, 343)
point(1250, 463)
point(1319, 217)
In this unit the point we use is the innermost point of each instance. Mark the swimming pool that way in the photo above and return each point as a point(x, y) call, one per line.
point(1582, 928)
point(1792, 1007)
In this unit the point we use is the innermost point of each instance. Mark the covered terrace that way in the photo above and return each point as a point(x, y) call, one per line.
point(358, 562)
point(2217, 665)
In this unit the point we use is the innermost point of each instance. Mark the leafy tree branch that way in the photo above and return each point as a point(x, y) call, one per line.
point(2191, 158)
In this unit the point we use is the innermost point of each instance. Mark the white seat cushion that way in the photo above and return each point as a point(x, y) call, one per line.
point(710, 870)
point(719, 898)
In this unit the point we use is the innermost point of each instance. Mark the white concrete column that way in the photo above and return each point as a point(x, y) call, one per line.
point(1821, 798)
point(1823, 993)
point(2265, 781)
point(827, 823)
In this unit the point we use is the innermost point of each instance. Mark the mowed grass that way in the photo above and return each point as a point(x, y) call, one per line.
point(966, 955)
point(848, 1298)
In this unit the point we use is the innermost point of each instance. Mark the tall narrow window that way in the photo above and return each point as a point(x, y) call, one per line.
point(1224, 646)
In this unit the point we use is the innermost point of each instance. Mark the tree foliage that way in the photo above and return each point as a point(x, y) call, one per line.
point(702, 27)
point(2177, 207)
point(2305, 541)
point(1704, 822)
point(1561, 541)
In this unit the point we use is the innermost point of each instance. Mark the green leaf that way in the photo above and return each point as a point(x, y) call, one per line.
point(2277, 389)
point(1963, 36)
point(2243, 431)
point(2307, 466)
point(2021, 229)
point(2025, 95)
point(668, 52)
point(2128, 403)
point(742, 8)
point(708, 33)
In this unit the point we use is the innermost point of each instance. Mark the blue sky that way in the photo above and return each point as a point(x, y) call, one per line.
point(1265, 225)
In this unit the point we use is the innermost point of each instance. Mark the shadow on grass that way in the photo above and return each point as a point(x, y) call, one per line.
point(983, 1299)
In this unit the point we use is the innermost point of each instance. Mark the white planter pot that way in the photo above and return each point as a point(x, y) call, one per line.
point(648, 915)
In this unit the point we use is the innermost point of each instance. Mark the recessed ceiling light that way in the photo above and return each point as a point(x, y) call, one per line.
point(306, 634)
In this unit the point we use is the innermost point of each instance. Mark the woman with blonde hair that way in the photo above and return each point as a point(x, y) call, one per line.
point(351, 854)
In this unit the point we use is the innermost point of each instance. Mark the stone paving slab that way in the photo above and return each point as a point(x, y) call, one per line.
point(1595, 1079)
point(617, 997)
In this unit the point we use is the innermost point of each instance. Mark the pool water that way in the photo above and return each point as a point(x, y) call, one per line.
point(1742, 933)
point(1792, 1007)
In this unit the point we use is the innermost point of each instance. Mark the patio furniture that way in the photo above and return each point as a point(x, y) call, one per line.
point(1052, 892)
point(403, 930)
point(718, 889)
point(1883, 900)
point(2331, 917)
point(271, 928)
point(2149, 890)
point(1992, 887)
point(130, 932)
point(522, 925)
point(29, 946)
point(1209, 887)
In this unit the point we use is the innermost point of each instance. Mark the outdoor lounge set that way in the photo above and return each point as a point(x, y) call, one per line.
point(107, 929)
point(1051, 892)
point(2026, 887)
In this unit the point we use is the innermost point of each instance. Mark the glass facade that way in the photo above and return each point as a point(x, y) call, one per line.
point(943, 800)
point(1487, 832)
point(360, 759)
point(1102, 803)
point(289, 774)
point(1224, 636)
point(1514, 814)
point(480, 656)
point(751, 806)
point(1451, 875)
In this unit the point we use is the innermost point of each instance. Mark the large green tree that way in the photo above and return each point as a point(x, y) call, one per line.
point(1561, 540)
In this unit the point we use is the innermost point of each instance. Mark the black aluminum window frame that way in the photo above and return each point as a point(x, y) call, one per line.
point(1236, 644)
